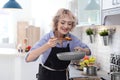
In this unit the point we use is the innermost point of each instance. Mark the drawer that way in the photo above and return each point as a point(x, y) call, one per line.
point(80, 79)
point(86, 79)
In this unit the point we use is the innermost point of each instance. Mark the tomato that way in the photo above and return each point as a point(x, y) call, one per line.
point(86, 58)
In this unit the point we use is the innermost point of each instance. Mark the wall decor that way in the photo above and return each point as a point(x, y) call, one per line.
point(107, 35)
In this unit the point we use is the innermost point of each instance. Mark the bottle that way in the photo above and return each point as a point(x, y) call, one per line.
point(19, 47)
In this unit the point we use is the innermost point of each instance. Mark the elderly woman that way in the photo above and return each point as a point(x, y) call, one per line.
point(56, 41)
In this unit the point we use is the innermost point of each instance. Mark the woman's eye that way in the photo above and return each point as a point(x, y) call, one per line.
point(62, 22)
point(69, 24)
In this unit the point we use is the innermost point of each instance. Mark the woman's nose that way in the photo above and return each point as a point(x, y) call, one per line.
point(66, 25)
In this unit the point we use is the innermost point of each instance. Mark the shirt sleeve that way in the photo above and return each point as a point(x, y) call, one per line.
point(42, 41)
point(76, 42)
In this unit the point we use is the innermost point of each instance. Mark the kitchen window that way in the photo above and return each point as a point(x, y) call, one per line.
point(6, 30)
point(85, 17)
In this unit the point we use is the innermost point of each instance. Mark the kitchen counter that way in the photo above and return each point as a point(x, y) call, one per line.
point(11, 51)
point(75, 73)
point(14, 67)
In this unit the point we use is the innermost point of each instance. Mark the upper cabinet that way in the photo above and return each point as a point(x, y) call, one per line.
point(107, 4)
point(84, 15)
point(110, 12)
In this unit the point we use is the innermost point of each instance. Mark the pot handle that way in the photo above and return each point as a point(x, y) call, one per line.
point(102, 78)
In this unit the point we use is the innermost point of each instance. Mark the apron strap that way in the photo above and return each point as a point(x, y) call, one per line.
point(51, 69)
point(37, 75)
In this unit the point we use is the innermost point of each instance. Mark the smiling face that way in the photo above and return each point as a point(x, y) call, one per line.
point(64, 21)
point(64, 25)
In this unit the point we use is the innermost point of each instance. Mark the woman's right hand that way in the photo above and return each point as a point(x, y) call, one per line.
point(52, 42)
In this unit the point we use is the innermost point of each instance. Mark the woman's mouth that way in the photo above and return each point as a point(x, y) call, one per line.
point(65, 29)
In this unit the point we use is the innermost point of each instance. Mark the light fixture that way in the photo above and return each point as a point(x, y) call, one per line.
point(92, 5)
point(12, 4)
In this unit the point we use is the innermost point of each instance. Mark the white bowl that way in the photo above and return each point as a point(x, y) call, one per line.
point(71, 55)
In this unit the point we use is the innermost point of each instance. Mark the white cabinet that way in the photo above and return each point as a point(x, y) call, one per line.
point(14, 67)
point(28, 70)
point(110, 8)
point(107, 4)
point(6, 67)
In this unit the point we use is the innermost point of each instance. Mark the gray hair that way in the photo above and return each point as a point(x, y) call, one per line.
point(62, 13)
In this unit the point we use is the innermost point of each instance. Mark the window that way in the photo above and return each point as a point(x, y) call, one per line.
point(85, 17)
point(6, 30)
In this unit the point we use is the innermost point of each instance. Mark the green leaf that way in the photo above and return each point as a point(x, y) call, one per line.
point(89, 31)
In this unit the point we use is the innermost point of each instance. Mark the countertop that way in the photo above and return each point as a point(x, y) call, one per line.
point(75, 73)
point(11, 52)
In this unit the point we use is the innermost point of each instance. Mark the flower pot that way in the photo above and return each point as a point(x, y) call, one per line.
point(91, 38)
point(105, 40)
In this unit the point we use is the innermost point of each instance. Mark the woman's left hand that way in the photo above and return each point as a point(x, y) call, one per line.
point(86, 50)
point(78, 48)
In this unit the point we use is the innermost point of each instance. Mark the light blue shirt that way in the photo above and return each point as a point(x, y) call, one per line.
point(72, 44)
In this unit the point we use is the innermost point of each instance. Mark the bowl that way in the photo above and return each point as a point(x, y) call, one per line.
point(71, 55)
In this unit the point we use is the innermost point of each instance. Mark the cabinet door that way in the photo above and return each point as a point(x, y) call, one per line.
point(80, 79)
point(107, 4)
point(6, 67)
point(86, 79)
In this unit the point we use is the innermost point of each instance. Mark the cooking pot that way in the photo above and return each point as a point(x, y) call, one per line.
point(115, 76)
point(90, 70)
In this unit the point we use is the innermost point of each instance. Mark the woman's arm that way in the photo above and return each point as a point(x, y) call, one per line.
point(33, 54)
point(80, 46)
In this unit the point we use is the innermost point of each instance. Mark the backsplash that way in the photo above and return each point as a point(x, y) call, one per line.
point(114, 62)
point(98, 49)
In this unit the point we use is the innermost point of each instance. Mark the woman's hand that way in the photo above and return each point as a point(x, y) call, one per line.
point(86, 50)
point(78, 49)
point(52, 42)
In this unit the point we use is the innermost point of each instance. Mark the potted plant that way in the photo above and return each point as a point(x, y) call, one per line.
point(90, 33)
point(105, 34)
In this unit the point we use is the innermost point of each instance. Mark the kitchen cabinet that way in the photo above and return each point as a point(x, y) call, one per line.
point(109, 9)
point(28, 32)
point(14, 67)
point(110, 12)
point(108, 4)
point(6, 67)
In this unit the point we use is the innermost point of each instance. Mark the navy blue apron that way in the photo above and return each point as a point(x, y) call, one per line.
point(54, 63)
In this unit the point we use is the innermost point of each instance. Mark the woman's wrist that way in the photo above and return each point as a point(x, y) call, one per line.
point(47, 45)
point(86, 50)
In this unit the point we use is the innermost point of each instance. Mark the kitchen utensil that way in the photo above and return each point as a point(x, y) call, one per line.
point(67, 38)
point(71, 55)
point(115, 76)
point(90, 70)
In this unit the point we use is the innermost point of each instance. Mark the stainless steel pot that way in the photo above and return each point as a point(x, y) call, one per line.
point(115, 76)
point(90, 70)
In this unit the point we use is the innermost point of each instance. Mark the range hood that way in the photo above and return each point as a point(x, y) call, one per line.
point(111, 16)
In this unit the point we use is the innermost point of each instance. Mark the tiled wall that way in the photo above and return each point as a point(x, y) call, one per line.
point(98, 49)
